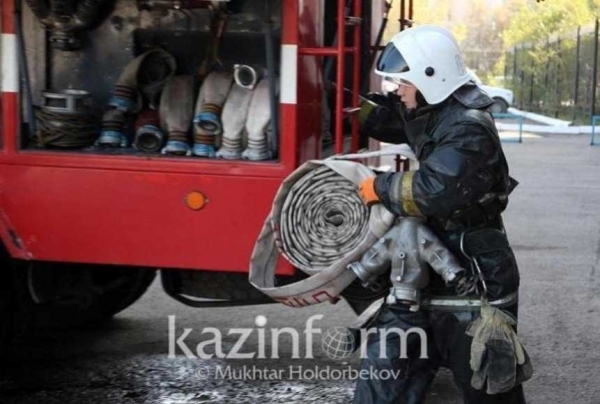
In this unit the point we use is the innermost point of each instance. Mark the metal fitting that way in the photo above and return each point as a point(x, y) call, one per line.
point(68, 101)
point(247, 76)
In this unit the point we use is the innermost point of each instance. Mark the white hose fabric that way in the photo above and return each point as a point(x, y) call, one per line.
point(211, 98)
point(234, 116)
point(320, 225)
point(257, 124)
point(209, 104)
point(323, 218)
point(137, 72)
point(175, 112)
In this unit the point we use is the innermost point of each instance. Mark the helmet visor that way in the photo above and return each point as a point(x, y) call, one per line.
point(391, 61)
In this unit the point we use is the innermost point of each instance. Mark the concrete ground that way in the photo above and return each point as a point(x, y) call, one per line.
point(553, 222)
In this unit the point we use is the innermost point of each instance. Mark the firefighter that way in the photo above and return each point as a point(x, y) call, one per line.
point(459, 190)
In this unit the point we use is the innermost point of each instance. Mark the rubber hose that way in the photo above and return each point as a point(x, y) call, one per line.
point(257, 123)
point(323, 219)
point(234, 116)
point(65, 131)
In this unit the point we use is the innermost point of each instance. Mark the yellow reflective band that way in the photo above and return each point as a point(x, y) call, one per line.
point(408, 203)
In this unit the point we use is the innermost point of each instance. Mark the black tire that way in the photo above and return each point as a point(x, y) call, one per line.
point(96, 308)
point(111, 305)
point(13, 322)
point(128, 296)
point(6, 311)
point(499, 106)
point(21, 316)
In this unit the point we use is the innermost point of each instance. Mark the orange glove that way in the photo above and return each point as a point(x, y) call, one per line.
point(366, 189)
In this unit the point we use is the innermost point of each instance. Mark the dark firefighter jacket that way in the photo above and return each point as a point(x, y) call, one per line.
point(462, 183)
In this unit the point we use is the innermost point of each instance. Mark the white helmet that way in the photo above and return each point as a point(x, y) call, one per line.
point(427, 56)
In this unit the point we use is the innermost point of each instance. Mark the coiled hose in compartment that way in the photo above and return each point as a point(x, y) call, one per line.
point(56, 130)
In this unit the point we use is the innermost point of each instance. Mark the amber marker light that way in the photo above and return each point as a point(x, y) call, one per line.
point(196, 200)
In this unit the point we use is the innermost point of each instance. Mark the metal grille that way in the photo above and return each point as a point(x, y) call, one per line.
point(558, 77)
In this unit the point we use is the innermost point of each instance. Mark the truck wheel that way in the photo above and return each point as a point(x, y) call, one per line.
point(120, 298)
point(35, 295)
point(9, 309)
point(6, 313)
point(67, 295)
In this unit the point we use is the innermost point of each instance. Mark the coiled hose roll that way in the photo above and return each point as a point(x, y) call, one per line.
point(56, 130)
point(320, 225)
point(323, 219)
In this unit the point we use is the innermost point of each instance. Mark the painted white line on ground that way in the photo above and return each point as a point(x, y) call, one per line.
point(505, 135)
point(546, 120)
point(568, 130)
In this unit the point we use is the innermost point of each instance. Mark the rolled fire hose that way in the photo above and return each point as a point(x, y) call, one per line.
point(176, 111)
point(235, 112)
point(146, 76)
point(112, 133)
point(257, 124)
point(319, 224)
point(207, 118)
point(65, 119)
point(247, 76)
point(148, 135)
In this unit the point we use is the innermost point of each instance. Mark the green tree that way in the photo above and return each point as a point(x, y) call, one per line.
point(535, 22)
point(476, 24)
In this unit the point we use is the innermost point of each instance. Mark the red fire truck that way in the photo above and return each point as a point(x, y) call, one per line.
point(85, 229)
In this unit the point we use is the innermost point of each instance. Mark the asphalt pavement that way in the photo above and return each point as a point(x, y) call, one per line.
point(553, 223)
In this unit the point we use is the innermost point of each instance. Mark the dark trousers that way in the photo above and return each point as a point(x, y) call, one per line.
point(447, 345)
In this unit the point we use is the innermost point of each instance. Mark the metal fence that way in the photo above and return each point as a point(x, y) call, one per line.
point(482, 61)
point(558, 77)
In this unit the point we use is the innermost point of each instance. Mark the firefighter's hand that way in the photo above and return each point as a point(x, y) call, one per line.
point(464, 284)
point(366, 189)
point(374, 110)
